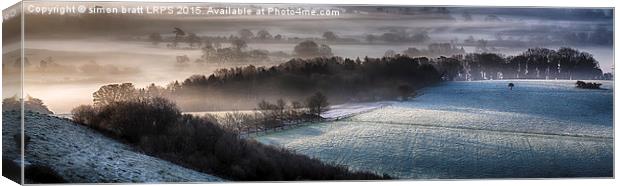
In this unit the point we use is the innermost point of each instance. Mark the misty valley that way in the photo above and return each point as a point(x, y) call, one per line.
point(376, 93)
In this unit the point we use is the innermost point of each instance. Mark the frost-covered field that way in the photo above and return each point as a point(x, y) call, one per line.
point(472, 130)
point(348, 110)
point(81, 155)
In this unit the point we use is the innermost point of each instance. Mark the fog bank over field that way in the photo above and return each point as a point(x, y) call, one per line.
point(72, 56)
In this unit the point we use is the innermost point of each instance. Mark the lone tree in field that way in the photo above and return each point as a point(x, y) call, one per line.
point(114, 93)
point(155, 38)
point(317, 104)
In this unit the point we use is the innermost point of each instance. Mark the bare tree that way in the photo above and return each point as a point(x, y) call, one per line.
point(317, 104)
point(114, 93)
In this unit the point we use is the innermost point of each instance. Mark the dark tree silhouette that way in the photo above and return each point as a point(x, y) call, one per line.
point(340, 79)
point(308, 49)
point(317, 104)
point(588, 85)
point(112, 93)
point(263, 35)
point(535, 63)
point(325, 51)
point(329, 35)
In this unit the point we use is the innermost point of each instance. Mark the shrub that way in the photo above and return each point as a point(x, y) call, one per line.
point(588, 85)
point(114, 93)
point(129, 119)
point(132, 119)
point(84, 114)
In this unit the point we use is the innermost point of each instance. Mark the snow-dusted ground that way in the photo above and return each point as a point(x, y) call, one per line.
point(350, 109)
point(82, 155)
point(472, 130)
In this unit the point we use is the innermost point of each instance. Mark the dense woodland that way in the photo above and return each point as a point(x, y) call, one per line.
point(339, 79)
point(535, 63)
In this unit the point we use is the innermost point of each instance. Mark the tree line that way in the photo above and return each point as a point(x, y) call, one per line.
point(273, 116)
point(534, 63)
point(338, 78)
point(265, 116)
